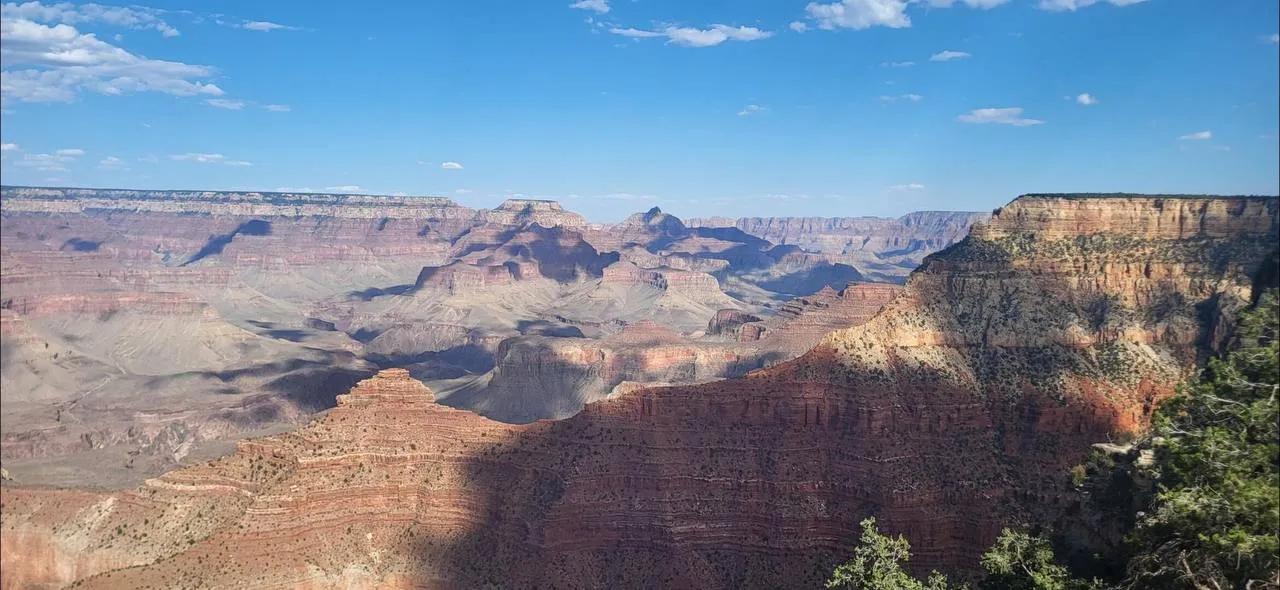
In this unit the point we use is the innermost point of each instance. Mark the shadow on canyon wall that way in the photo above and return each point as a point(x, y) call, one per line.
point(215, 245)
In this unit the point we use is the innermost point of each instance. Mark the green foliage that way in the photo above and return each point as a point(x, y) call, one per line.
point(1019, 561)
point(1214, 521)
point(877, 565)
point(1079, 475)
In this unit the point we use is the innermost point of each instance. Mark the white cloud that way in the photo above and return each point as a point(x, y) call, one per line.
point(600, 6)
point(450, 166)
point(859, 14)
point(1273, 39)
point(906, 97)
point(1197, 136)
point(914, 186)
point(112, 163)
point(1000, 116)
point(277, 108)
point(225, 103)
point(8, 147)
point(1061, 5)
point(133, 17)
point(59, 62)
point(717, 34)
point(55, 162)
point(635, 33)
point(265, 26)
point(751, 109)
point(897, 64)
point(345, 188)
point(695, 37)
point(949, 55)
point(798, 26)
point(1086, 99)
point(208, 159)
point(981, 4)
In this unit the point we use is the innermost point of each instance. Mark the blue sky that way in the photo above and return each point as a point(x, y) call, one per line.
point(860, 107)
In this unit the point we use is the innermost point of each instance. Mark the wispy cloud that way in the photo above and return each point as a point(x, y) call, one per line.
point(1197, 136)
point(695, 37)
point(751, 109)
point(635, 33)
point(1067, 5)
point(1273, 39)
point(55, 162)
point(980, 4)
point(598, 6)
point(949, 55)
point(201, 158)
point(999, 116)
point(1086, 99)
point(9, 147)
point(112, 163)
point(277, 108)
point(798, 26)
point(265, 26)
point(898, 97)
point(225, 103)
point(55, 63)
point(450, 166)
point(914, 186)
point(897, 64)
point(131, 17)
point(345, 188)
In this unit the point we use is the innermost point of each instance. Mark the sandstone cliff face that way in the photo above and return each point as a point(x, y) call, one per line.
point(698, 285)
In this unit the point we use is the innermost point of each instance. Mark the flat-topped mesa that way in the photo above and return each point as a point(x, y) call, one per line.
point(286, 204)
point(524, 211)
point(1157, 217)
point(736, 324)
point(666, 279)
point(389, 387)
point(876, 294)
point(461, 278)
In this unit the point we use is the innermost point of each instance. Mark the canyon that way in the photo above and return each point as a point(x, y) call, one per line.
point(143, 330)
point(947, 407)
point(881, 248)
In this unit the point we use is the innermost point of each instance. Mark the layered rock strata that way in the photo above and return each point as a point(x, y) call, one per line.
point(953, 412)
